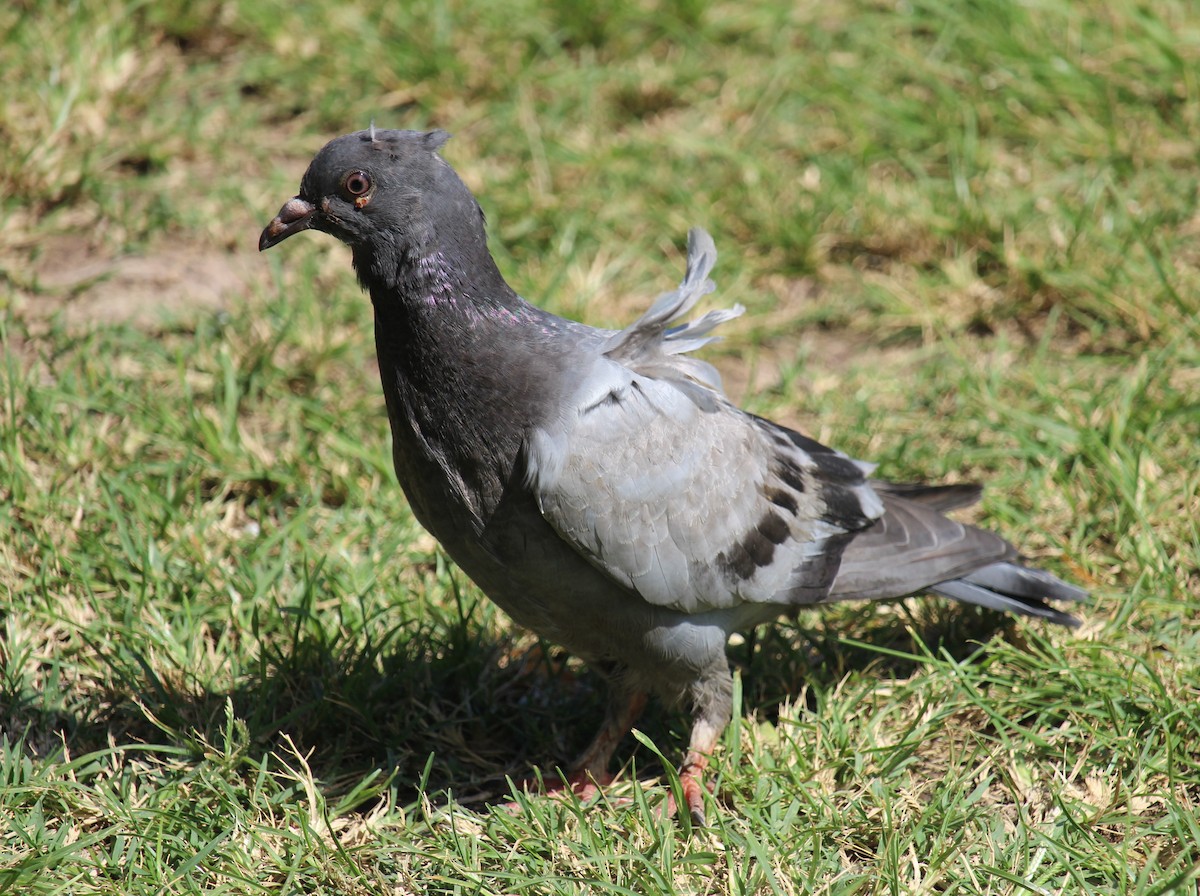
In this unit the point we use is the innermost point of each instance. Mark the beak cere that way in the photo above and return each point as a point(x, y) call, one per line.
point(296, 215)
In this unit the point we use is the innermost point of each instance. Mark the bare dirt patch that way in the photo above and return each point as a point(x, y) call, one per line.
point(164, 283)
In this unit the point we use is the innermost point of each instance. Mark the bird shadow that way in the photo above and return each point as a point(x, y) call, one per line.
point(454, 717)
point(812, 654)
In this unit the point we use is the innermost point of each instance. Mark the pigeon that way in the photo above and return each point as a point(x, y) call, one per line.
point(599, 485)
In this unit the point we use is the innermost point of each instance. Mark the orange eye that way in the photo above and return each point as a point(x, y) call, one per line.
point(357, 183)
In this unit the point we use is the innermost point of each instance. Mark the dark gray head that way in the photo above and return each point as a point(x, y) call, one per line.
point(391, 198)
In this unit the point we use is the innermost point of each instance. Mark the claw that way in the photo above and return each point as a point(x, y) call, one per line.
point(691, 781)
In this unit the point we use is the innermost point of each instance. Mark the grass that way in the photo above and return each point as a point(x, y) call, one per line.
point(231, 662)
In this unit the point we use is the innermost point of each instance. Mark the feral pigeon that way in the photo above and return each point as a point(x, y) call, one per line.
point(600, 486)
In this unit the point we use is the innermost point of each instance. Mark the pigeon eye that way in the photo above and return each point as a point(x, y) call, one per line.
point(357, 183)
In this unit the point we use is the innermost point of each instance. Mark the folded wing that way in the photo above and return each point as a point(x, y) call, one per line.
point(659, 481)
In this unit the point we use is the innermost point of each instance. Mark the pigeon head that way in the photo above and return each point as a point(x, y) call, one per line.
point(388, 195)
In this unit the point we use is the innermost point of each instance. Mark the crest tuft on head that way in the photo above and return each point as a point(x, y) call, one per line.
point(381, 138)
point(436, 139)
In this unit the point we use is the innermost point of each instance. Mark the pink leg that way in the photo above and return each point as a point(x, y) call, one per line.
point(589, 772)
point(691, 773)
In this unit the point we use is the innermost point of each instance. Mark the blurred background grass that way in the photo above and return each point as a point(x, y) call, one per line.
point(967, 238)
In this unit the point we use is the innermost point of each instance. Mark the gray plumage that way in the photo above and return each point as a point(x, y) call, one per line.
point(600, 486)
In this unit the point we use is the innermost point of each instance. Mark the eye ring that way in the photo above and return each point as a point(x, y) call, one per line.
point(357, 183)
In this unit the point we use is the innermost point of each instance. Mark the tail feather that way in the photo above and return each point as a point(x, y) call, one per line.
point(969, 592)
point(936, 497)
point(1024, 581)
point(914, 548)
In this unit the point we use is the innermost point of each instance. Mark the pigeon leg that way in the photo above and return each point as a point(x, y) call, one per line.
point(589, 772)
point(712, 698)
point(691, 773)
point(624, 707)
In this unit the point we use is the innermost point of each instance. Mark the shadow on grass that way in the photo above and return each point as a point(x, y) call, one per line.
point(813, 654)
point(443, 711)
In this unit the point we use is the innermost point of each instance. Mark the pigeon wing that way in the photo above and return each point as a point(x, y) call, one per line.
point(651, 474)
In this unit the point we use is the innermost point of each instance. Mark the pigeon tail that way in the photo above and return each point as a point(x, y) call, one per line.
point(1013, 588)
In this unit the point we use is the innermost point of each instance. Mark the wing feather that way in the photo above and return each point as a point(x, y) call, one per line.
point(652, 475)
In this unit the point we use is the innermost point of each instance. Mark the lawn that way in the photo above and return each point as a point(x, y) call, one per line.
point(968, 239)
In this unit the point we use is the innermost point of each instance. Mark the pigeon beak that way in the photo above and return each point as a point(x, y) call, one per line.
point(296, 215)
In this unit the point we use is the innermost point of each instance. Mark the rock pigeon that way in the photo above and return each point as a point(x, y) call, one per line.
point(599, 485)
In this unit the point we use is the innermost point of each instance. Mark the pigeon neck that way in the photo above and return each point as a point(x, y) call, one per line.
point(445, 278)
point(448, 317)
point(450, 273)
point(464, 379)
